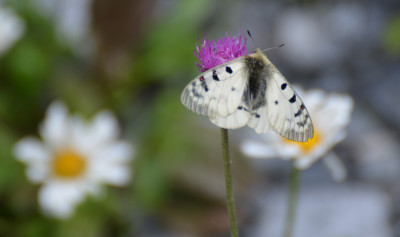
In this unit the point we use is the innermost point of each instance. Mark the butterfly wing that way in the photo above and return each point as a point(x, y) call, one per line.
point(259, 120)
point(237, 119)
point(286, 112)
point(217, 92)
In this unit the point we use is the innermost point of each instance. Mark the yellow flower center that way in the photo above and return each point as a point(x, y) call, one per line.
point(307, 147)
point(68, 164)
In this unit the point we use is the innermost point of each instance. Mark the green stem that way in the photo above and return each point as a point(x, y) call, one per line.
point(294, 187)
point(228, 183)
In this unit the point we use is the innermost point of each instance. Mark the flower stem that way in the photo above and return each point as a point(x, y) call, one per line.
point(294, 187)
point(228, 183)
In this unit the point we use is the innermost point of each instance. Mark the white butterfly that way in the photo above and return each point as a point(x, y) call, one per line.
point(249, 90)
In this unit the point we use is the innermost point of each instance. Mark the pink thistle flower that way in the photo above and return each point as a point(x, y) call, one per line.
point(213, 53)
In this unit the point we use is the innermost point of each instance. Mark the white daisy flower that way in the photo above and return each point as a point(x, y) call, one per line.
point(11, 29)
point(74, 158)
point(330, 113)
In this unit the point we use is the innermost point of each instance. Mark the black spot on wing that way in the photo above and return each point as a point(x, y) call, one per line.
point(243, 108)
point(257, 115)
point(283, 86)
point(196, 94)
point(302, 107)
point(215, 76)
point(203, 83)
point(228, 70)
point(233, 89)
point(293, 99)
point(302, 123)
point(276, 102)
point(298, 113)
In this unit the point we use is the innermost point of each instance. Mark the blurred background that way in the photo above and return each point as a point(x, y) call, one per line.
point(135, 57)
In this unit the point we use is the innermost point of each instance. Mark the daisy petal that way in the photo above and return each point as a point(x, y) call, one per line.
point(110, 164)
point(80, 136)
point(335, 166)
point(116, 153)
point(11, 29)
point(55, 127)
point(30, 150)
point(314, 100)
point(118, 176)
point(60, 199)
point(33, 153)
point(258, 150)
point(37, 173)
point(95, 135)
point(104, 127)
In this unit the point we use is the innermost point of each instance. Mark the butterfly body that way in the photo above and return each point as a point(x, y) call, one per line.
point(249, 91)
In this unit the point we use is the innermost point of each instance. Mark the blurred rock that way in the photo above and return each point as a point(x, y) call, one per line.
point(351, 210)
point(322, 36)
point(375, 150)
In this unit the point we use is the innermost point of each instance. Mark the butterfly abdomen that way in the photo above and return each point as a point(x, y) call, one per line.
point(255, 91)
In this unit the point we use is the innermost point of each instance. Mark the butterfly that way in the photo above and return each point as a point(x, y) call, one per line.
point(249, 90)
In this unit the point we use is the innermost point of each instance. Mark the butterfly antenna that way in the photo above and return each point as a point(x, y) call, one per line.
point(254, 42)
point(279, 46)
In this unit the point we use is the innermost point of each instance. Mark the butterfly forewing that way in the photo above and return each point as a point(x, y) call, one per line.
point(286, 112)
point(218, 91)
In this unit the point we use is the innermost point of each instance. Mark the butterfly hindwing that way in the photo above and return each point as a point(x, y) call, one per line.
point(237, 119)
point(259, 120)
point(218, 91)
